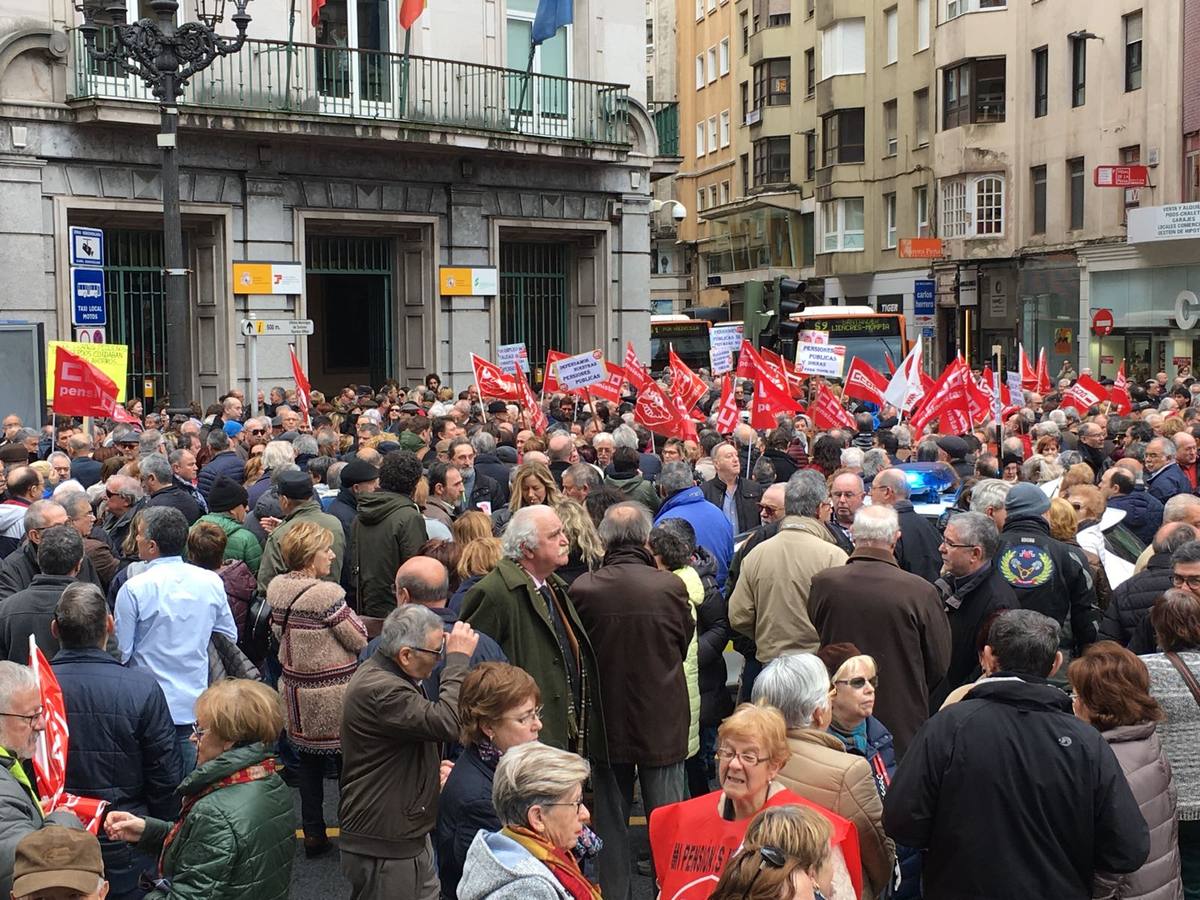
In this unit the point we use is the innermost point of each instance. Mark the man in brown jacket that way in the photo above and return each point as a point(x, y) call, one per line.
point(390, 768)
point(889, 614)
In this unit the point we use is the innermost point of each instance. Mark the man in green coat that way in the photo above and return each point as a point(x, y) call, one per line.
point(227, 503)
point(389, 530)
point(296, 500)
point(525, 608)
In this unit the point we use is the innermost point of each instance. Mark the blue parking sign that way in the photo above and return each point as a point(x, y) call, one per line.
point(87, 297)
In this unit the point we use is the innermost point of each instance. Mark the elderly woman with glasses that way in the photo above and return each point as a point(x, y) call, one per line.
point(692, 841)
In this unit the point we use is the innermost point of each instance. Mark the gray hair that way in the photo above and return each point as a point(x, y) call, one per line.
point(1168, 446)
point(218, 440)
point(534, 774)
point(14, 678)
point(70, 486)
point(894, 479)
point(852, 457)
point(1024, 642)
point(278, 453)
point(483, 442)
point(521, 533)
point(990, 494)
point(176, 456)
point(1044, 429)
point(35, 515)
point(1176, 509)
point(74, 502)
point(278, 471)
point(978, 530)
point(1174, 539)
point(59, 453)
point(674, 542)
point(25, 434)
point(875, 461)
point(407, 626)
point(875, 525)
point(625, 524)
point(603, 437)
point(805, 492)
point(125, 485)
point(333, 475)
point(157, 465)
point(149, 442)
point(675, 477)
point(1188, 553)
point(584, 475)
point(903, 435)
point(624, 436)
point(60, 550)
point(796, 684)
point(305, 444)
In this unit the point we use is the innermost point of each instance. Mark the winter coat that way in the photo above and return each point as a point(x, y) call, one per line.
point(225, 463)
point(498, 868)
point(691, 667)
point(485, 490)
point(1010, 795)
point(968, 602)
point(893, 616)
point(20, 815)
point(240, 543)
point(821, 770)
point(21, 566)
point(636, 487)
point(259, 488)
point(86, 471)
point(745, 501)
point(319, 640)
point(464, 808)
point(240, 588)
point(30, 612)
point(12, 524)
point(266, 506)
point(1132, 601)
point(344, 508)
point(712, 634)
point(1143, 513)
point(785, 466)
point(389, 530)
point(713, 531)
point(175, 496)
point(489, 465)
point(99, 550)
point(1180, 730)
point(272, 559)
point(117, 529)
point(770, 602)
point(917, 550)
point(1167, 482)
point(638, 620)
point(505, 606)
point(226, 660)
point(236, 842)
point(1140, 753)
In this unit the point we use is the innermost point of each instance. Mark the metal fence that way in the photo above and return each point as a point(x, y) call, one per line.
point(666, 123)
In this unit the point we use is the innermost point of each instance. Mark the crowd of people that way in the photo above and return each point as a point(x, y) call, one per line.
point(492, 642)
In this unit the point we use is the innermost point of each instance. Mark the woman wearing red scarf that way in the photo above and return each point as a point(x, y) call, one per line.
point(538, 795)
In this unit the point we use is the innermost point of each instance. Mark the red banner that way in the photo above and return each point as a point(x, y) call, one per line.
point(303, 388)
point(827, 411)
point(635, 372)
point(661, 415)
point(728, 414)
point(492, 382)
point(1043, 373)
point(1029, 375)
point(80, 388)
point(948, 397)
point(1119, 393)
point(1085, 393)
point(610, 388)
point(863, 382)
point(528, 402)
point(686, 385)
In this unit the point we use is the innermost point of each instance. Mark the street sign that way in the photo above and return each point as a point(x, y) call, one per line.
point(268, 278)
point(920, 248)
point(87, 296)
point(87, 246)
point(923, 297)
point(1102, 322)
point(456, 281)
point(91, 335)
point(1121, 176)
point(269, 327)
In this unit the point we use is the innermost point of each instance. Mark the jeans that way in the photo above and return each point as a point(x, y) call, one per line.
point(613, 784)
point(1189, 854)
point(749, 672)
point(701, 769)
point(312, 790)
point(122, 866)
point(187, 748)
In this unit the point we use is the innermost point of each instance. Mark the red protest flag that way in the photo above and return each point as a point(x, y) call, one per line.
point(772, 365)
point(727, 409)
point(635, 372)
point(80, 388)
point(610, 388)
point(528, 401)
point(948, 395)
point(316, 11)
point(864, 383)
point(410, 11)
point(1119, 392)
point(827, 411)
point(660, 414)
point(303, 388)
point(1085, 393)
point(686, 385)
point(1029, 376)
point(978, 400)
point(1043, 373)
point(550, 383)
point(492, 382)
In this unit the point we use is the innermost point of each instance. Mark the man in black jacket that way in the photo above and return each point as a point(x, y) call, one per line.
point(488, 463)
point(30, 611)
point(917, 549)
point(21, 566)
point(122, 737)
point(1008, 793)
point(729, 492)
point(357, 477)
point(1127, 619)
point(479, 491)
point(163, 490)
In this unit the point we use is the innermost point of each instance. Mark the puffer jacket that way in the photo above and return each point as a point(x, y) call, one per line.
point(1132, 601)
point(226, 463)
point(712, 634)
point(388, 531)
point(1143, 513)
point(308, 511)
point(236, 842)
point(240, 542)
point(635, 487)
point(691, 667)
point(1140, 753)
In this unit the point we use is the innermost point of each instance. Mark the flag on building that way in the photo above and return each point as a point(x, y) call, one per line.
point(492, 382)
point(551, 15)
point(410, 11)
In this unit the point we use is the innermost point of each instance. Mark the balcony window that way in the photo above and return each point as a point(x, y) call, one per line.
point(956, 8)
point(891, 26)
point(712, 134)
point(1037, 180)
point(701, 198)
point(779, 20)
point(1075, 185)
point(744, 165)
point(725, 128)
point(810, 71)
point(745, 88)
point(810, 155)
point(699, 10)
point(649, 34)
point(842, 137)
point(1133, 51)
point(973, 92)
point(972, 206)
point(842, 225)
point(744, 18)
point(724, 195)
point(1041, 81)
point(890, 141)
point(844, 48)
point(772, 161)
point(921, 116)
point(1078, 72)
point(699, 139)
point(773, 83)
point(700, 72)
point(712, 195)
point(921, 209)
point(712, 64)
point(889, 221)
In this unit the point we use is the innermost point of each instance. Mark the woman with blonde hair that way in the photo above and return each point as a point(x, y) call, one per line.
point(787, 855)
point(587, 550)
point(478, 558)
point(532, 484)
point(1062, 519)
point(471, 526)
point(1080, 473)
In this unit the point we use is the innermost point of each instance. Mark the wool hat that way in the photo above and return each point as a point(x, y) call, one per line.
point(358, 471)
point(834, 655)
point(57, 857)
point(295, 485)
point(1026, 500)
point(226, 494)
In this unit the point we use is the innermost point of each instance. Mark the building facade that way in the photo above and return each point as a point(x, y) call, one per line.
point(328, 146)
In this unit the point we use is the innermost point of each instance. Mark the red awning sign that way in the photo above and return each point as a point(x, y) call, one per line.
point(1121, 176)
point(1102, 322)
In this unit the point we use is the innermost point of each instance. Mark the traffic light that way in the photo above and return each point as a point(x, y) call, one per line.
point(756, 317)
point(789, 298)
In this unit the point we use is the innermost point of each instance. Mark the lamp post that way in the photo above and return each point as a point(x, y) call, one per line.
point(165, 56)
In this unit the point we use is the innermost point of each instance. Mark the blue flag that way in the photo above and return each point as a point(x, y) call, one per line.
point(550, 15)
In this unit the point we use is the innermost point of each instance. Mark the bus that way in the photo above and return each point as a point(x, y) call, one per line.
point(688, 336)
point(879, 339)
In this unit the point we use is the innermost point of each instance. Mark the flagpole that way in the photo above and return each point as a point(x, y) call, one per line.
point(525, 82)
point(404, 79)
point(482, 405)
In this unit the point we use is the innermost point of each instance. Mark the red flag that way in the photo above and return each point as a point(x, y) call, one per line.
point(1029, 375)
point(316, 11)
point(948, 397)
point(978, 400)
point(1043, 374)
point(863, 382)
point(686, 385)
point(827, 411)
point(303, 388)
point(492, 382)
point(1119, 393)
point(772, 364)
point(660, 414)
point(727, 409)
point(528, 401)
point(1085, 393)
point(926, 383)
point(121, 414)
point(50, 755)
point(550, 383)
point(80, 388)
point(610, 388)
point(634, 370)
point(771, 395)
point(410, 11)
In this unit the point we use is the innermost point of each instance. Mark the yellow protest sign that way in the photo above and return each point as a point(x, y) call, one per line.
point(111, 359)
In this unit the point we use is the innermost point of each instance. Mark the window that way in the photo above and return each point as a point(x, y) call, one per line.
point(889, 221)
point(844, 48)
point(773, 83)
point(842, 137)
point(972, 206)
point(745, 100)
point(1075, 187)
point(1078, 72)
point(700, 71)
point(810, 6)
point(725, 128)
point(712, 64)
point(701, 196)
point(921, 207)
point(649, 88)
point(700, 139)
point(842, 225)
point(810, 71)
point(955, 8)
point(1191, 171)
point(810, 155)
point(922, 25)
point(745, 166)
point(890, 142)
point(891, 26)
point(712, 134)
point(1041, 81)
point(712, 5)
point(724, 195)
point(921, 116)
point(1037, 178)
point(1133, 51)
point(772, 161)
point(1130, 156)
point(724, 56)
point(973, 92)
point(744, 18)
point(649, 34)
point(779, 20)
point(712, 195)
point(699, 10)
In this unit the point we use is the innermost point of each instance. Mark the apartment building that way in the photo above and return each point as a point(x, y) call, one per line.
point(326, 145)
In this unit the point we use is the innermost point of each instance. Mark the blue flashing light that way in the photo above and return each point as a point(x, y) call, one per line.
point(928, 481)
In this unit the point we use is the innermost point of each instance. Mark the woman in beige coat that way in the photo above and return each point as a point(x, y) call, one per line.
point(319, 641)
point(819, 768)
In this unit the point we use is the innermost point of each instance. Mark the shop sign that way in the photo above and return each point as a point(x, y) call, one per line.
point(1175, 222)
point(1121, 176)
point(1102, 322)
point(923, 299)
point(1187, 309)
point(968, 287)
point(920, 248)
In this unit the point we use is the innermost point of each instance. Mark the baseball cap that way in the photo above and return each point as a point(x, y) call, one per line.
point(57, 857)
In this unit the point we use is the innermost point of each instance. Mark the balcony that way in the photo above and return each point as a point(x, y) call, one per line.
point(291, 80)
point(666, 123)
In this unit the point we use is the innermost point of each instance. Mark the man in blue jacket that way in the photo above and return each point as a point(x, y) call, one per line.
point(683, 500)
point(122, 746)
point(1164, 479)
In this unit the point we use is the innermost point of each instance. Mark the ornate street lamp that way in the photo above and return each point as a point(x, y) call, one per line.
point(165, 56)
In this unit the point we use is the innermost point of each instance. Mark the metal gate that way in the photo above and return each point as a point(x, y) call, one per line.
point(533, 298)
point(136, 295)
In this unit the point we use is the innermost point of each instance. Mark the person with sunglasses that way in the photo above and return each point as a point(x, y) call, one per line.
point(786, 856)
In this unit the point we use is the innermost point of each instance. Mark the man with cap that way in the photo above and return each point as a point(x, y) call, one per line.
point(358, 477)
point(953, 450)
point(1045, 574)
point(127, 442)
point(58, 863)
point(497, 410)
point(298, 505)
point(227, 506)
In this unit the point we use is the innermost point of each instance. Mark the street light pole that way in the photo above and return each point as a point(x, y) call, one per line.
point(165, 56)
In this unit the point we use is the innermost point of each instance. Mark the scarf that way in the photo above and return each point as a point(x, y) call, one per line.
point(17, 771)
point(953, 588)
point(561, 864)
point(856, 736)
point(489, 753)
point(256, 772)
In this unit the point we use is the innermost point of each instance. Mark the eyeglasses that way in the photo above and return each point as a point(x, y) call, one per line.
point(438, 652)
point(726, 754)
point(578, 804)
point(949, 543)
point(859, 682)
point(198, 733)
point(1192, 581)
point(40, 714)
point(527, 718)
point(768, 508)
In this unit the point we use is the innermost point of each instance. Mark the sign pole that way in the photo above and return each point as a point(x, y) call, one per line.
point(253, 339)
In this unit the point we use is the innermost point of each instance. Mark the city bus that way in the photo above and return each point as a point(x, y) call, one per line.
point(688, 336)
point(879, 339)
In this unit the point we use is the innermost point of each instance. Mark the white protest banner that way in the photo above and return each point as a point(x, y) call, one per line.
point(509, 356)
point(813, 337)
point(722, 361)
point(1014, 388)
point(826, 360)
point(581, 370)
point(726, 339)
